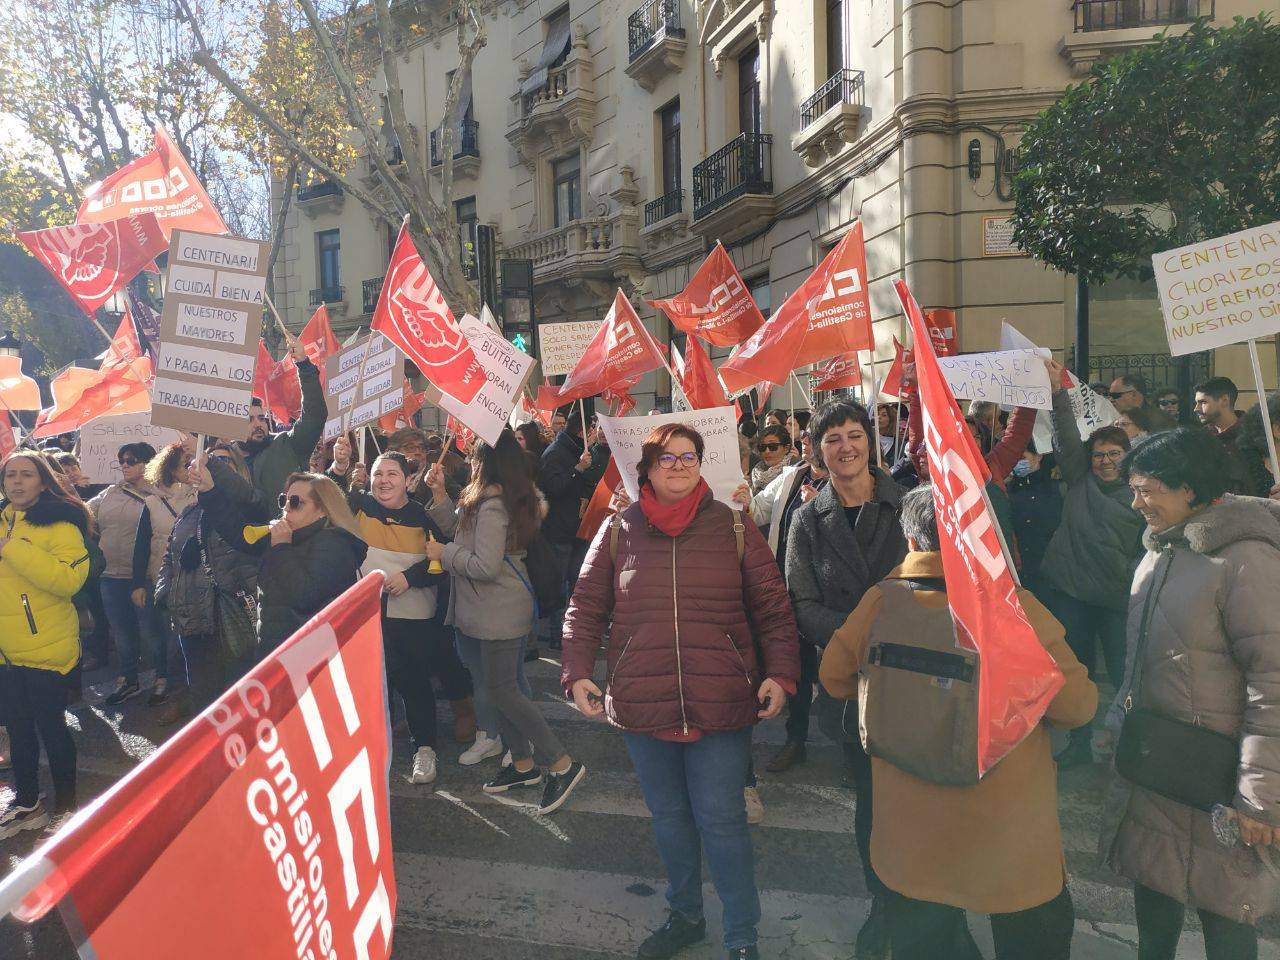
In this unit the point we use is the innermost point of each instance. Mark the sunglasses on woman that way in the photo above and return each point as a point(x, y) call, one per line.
point(668, 460)
point(771, 447)
point(129, 462)
point(290, 501)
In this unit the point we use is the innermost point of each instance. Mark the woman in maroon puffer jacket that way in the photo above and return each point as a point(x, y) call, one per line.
point(700, 648)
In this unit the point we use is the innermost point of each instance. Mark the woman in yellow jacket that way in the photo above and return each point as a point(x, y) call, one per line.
point(43, 562)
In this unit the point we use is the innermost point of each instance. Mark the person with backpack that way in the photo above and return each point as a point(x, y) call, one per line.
point(492, 607)
point(940, 842)
point(699, 651)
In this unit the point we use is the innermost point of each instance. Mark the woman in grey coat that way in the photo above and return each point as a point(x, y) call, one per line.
point(492, 609)
point(1204, 648)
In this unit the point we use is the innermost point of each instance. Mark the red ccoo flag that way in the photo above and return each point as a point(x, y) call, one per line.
point(94, 260)
point(621, 350)
point(834, 303)
point(318, 340)
point(941, 323)
point(597, 508)
point(892, 386)
point(276, 384)
point(1017, 677)
point(276, 796)
point(412, 314)
point(160, 182)
point(838, 372)
point(698, 378)
point(716, 305)
point(403, 416)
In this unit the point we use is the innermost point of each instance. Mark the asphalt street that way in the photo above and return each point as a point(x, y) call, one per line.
point(487, 878)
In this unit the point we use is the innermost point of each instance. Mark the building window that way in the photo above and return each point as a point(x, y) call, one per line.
point(669, 124)
point(568, 189)
point(758, 287)
point(749, 90)
point(329, 257)
point(835, 36)
point(465, 211)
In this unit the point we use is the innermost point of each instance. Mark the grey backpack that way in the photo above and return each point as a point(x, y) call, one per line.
point(918, 690)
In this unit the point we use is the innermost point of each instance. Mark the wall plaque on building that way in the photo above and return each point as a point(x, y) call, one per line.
point(997, 237)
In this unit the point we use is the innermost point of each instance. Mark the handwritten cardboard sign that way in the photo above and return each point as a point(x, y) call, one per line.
point(506, 370)
point(101, 440)
point(1017, 378)
point(561, 345)
point(353, 401)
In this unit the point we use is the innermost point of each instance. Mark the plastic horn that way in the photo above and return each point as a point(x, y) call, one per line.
point(255, 533)
point(435, 565)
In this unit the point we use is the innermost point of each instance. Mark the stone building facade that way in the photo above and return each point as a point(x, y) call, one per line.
point(612, 142)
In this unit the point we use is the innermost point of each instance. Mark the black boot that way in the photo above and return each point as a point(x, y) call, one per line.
point(672, 937)
point(873, 938)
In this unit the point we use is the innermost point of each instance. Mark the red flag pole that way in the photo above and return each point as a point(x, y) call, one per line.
point(288, 337)
point(873, 409)
point(675, 382)
point(582, 410)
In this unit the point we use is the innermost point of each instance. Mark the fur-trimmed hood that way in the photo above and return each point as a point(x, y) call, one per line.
point(49, 510)
point(1222, 523)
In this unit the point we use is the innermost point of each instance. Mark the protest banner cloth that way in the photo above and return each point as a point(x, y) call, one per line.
point(160, 182)
point(941, 323)
point(721, 460)
point(209, 334)
point(412, 314)
point(1092, 410)
point(1224, 291)
point(892, 386)
point(17, 390)
point(102, 438)
point(81, 395)
point(622, 349)
point(94, 260)
point(147, 322)
point(561, 345)
point(716, 305)
point(1017, 677)
point(837, 373)
point(507, 369)
point(411, 404)
point(276, 797)
point(1017, 378)
point(317, 339)
point(699, 381)
point(598, 507)
point(353, 401)
point(276, 384)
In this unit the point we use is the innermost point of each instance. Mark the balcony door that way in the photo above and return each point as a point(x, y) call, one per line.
point(329, 256)
point(567, 189)
point(749, 90)
point(835, 37)
point(669, 118)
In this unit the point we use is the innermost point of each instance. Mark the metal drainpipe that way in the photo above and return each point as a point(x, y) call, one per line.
point(1082, 329)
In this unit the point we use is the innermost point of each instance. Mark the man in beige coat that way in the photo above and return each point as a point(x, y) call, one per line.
point(994, 847)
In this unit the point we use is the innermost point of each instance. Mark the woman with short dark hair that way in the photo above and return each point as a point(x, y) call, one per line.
point(699, 649)
point(1205, 658)
point(774, 446)
point(842, 542)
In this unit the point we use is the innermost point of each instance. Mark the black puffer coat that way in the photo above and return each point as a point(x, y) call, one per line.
point(183, 585)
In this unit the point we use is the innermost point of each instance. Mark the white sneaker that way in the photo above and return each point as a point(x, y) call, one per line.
point(484, 748)
point(506, 760)
point(755, 807)
point(424, 766)
point(16, 819)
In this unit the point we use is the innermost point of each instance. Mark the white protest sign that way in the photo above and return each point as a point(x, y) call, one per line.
point(351, 401)
point(721, 461)
point(1015, 377)
point(1092, 410)
point(1220, 291)
point(506, 370)
point(561, 345)
point(101, 440)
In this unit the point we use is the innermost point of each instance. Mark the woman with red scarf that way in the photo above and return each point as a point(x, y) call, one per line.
point(700, 648)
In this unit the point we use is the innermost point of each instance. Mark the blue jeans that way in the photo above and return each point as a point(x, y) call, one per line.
point(694, 792)
point(487, 717)
point(131, 626)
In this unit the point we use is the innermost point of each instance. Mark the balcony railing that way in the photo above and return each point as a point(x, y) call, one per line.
point(581, 238)
point(323, 295)
point(1122, 14)
point(843, 86)
point(314, 191)
point(466, 142)
point(653, 21)
point(667, 205)
point(740, 167)
point(372, 290)
point(556, 88)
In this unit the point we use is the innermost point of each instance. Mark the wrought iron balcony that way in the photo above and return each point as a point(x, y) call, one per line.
point(319, 191)
point(667, 205)
point(1125, 14)
point(466, 142)
point(843, 86)
point(653, 21)
point(742, 166)
point(372, 290)
point(325, 295)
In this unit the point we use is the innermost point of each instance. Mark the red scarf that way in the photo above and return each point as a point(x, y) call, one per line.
point(672, 519)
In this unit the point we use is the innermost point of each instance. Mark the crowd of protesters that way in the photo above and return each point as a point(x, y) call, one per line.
point(1151, 541)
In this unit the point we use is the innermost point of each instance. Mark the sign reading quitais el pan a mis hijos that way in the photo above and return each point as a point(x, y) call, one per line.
point(209, 334)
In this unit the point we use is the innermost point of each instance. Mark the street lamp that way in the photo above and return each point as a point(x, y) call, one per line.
point(10, 346)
